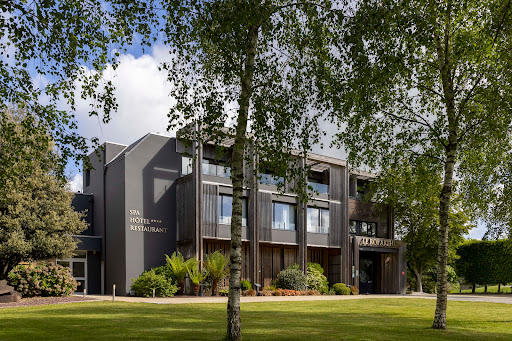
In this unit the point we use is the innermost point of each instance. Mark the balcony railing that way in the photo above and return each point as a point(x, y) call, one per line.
point(267, 179)
point(216, 170)
point(318, 229)
point(319, 188)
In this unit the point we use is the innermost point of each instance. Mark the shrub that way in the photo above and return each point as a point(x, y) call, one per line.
point(341, 289)
point(245, 285)
point(224, 292)
point(277, 293)
point(292, 279)
point(42, 280)
point(354, 290)
point(249, 292)
point(288, 292)
point(270, 287)
point(266, 292)
point(150, 280)
point(316, 279)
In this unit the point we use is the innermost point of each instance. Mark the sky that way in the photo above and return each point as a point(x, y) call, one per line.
point(142, 93)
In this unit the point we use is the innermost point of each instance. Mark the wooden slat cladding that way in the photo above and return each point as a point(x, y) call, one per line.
point(363, 211)
point(224, 248)
point(273, 260)
point(265, 215)
point(185, 209)
point(210, 210)
point(336, 219)
point(319, 256)
point(336, 183)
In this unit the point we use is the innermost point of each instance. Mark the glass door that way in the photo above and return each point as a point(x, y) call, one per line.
point(366, 276)
point(78, 266)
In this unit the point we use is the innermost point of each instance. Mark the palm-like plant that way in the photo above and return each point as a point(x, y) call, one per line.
point(196, 276)
point(216, 266)
point(179, 268)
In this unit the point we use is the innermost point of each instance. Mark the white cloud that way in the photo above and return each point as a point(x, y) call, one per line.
point(76, 183)
point(142, 93)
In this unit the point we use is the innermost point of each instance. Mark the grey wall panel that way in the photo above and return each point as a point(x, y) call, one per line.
point(336, 223)
point(288, 237)
point(152, 168)
point(115, 232)
point(84, 203)
point(93, 272)
point(318, 239)
point(210, 210)
point(265, 215)
point(336, 187)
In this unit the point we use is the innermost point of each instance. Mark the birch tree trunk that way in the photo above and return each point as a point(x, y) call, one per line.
point(234, 323)
point(445, 70)
point(419, 284)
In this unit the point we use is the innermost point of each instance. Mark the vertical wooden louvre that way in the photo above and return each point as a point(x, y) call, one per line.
point(335, 224)
point(185, 208)
point(211, 210)
point(265, 215)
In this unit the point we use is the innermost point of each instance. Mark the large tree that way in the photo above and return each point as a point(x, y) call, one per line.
point(253, 67)
point(426, 79)
point(412, 191)
point(37, 221)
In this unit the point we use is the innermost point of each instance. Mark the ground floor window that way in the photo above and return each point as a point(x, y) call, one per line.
point(362, 228)
point(78, 266)
point(318, 220)
point(226, 211)
point(284, 216)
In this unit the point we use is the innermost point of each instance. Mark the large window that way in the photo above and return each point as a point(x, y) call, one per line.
point(318, 187)
point(210, 167)
point(284, 216)
point(225, 210)
point(362, 228)
point(318, 220)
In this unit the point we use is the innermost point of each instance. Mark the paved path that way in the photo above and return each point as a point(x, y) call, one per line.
point(507, 299)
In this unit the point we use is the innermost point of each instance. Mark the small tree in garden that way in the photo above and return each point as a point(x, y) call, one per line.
point(196, 276)
point(216, 266)
point(179, 268)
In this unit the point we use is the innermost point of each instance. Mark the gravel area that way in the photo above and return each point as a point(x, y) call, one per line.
point(46, 300)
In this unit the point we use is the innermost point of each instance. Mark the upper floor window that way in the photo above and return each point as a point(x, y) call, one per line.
point(87, 178)
point(362, 228)
point(318, 220)
point(226, 211)
point(186, 165)
point(271, 180)
point(284, 216)
point(210, 167)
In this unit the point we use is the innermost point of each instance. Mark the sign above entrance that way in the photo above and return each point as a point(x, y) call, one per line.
point(378, 242)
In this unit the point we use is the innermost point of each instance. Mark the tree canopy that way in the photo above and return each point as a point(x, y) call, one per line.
point(425, 80)
point(37, 221)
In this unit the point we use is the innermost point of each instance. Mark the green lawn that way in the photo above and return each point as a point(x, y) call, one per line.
point(368, 319)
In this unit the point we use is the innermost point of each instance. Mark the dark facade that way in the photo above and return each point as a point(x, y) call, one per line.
point(148, 200)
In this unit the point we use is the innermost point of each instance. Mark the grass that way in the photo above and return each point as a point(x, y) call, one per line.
point(491, 289)
point(365, 319)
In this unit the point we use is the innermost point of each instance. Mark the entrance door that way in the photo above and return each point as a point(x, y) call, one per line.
point(78, 266)
point(366, 276)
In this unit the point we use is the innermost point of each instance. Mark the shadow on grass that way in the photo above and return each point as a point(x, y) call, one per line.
point(376, 319)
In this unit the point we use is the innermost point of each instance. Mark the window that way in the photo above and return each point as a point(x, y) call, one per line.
point(271, 180)
point(362, 228)
point(225, 210)
point(186, 165)
point(87, 178)
point(210, 167)
point(318, 220)
point(284, 216)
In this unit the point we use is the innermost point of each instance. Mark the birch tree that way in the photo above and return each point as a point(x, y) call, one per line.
point(425, 79)
point(251, 67)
